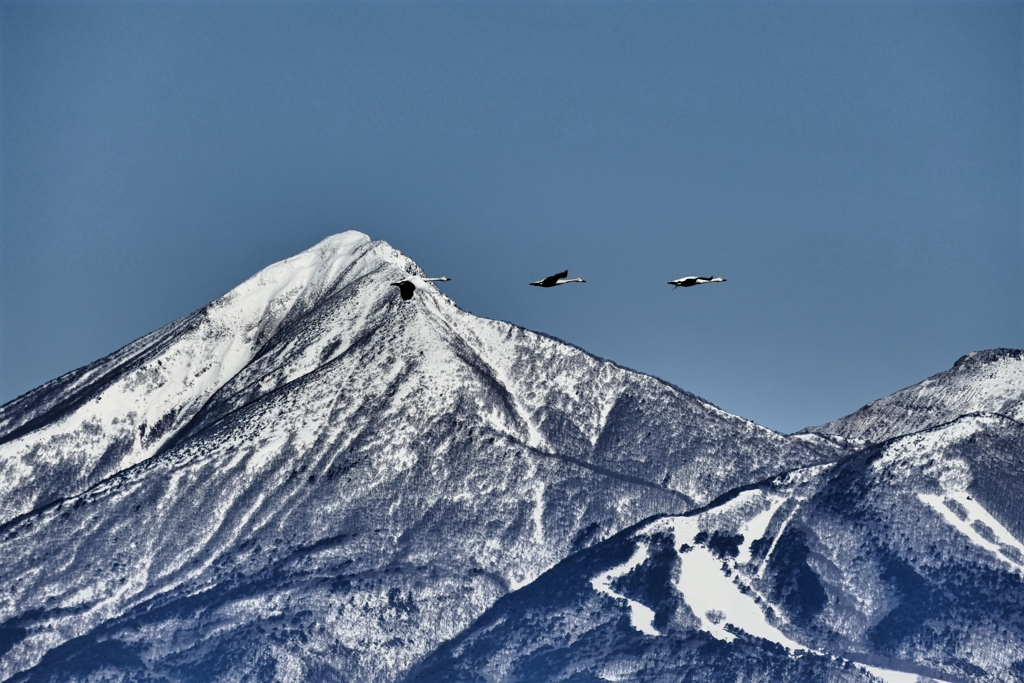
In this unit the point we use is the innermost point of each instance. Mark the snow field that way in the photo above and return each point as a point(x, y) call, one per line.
point(640, 616)
point(712, 596)
point(707, 586)
point(975, 513)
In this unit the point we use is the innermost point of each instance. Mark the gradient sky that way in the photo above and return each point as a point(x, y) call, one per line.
point(855, 169)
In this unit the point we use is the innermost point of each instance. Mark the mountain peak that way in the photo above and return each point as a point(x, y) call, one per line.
point(990, 381)
point(301, 279)
point(310, 438)
point(978, 359)
point(139, 400)
point(313, 479)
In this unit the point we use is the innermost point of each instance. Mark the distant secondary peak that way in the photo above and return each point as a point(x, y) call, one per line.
point(981, 358)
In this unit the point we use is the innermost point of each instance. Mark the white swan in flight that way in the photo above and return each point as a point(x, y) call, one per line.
point(553, 280)
point(407, 288)
point(691, 280)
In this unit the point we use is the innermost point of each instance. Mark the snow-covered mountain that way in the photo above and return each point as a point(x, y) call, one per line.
point(311, 479)
point(899, 563)
point(981, 382)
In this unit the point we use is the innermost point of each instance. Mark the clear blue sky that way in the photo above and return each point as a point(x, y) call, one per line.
point(853, 168)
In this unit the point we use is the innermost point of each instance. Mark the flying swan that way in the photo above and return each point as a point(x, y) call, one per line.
point(407, 288)
point(691, 280)
point(553, 280)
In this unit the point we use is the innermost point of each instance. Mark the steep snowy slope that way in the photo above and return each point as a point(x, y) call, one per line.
point(892, 563)
point(982, 382)
point(73, 432)
point(311, 479)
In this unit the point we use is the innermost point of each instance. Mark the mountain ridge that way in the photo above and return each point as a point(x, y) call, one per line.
point(484, 453)
point(317, 480)
point(982, 381)
point(918, 588)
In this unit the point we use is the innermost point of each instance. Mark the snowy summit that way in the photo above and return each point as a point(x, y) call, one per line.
point(312, 479)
